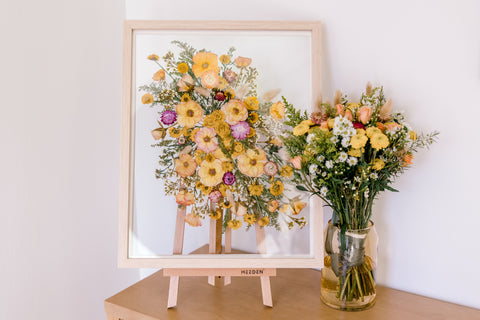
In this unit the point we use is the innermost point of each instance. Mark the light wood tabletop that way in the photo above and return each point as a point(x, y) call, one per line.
point(296, 295)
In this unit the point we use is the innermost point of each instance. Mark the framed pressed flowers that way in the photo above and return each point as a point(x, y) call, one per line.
point(202, 120)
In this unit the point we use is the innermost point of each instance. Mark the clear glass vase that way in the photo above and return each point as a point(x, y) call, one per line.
point(348, 277)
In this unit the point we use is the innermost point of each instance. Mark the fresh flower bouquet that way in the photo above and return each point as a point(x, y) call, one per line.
point(347, 153)
point(219, 143)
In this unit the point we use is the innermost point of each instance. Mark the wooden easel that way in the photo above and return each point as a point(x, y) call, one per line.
point(215, 247)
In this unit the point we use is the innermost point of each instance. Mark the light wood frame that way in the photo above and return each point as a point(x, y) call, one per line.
point(125, 205)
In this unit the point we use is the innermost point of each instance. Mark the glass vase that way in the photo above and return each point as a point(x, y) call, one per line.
point(348, 277)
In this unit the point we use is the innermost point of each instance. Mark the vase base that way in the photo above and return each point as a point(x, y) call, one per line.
point(330, 299)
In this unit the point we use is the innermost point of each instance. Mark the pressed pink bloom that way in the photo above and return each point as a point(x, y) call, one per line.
point(206, 139)
point(215, 196)
point(364, 114)
point(340, 109)
point(297, 162)
point(240, 130)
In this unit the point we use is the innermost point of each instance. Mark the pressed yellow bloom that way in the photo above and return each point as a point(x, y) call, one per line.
point(229, 93)
point(378, 164)
point(185, 165)
point(222, 84)
point(210, 79)
point(243, 62)
point(185, 132)
point(251, 162)
point(301, 129)
point(355, 153)
point(251, 103)
point(218, 115)
point(193, 133)
point(223, 189)
point(234, 224)
point(199, 185)
point(174, 132)
point(206, 190)
point(379, 141)
point(227, 142)
point(296, 206)
point(352, 105)
point(203, 62)
point(222, 129)
point(283, 208)
point(215, 215)
point(159, 75)
point(249, 218)
point(226, 204)
point(218, 153)
point(182, 67)
point(264, 221)
point(272, 205)
point(276, 188)
point(209, 157)
point(199, 156)
point(206, 139)
point(277, 110)
point(413, 135)
point(238, 149)
point(208, 121)
point(147, 98)
point(227, 166)
point(251, 133)
point(286, 171)
point(330, 123)
point(255, 189)
point(253, 117)
point(185, 98)
point(153, 57)
point(189, 113)
point(358, 141)
point(235, 111)
point(211, 173)
point(372, 130)
point(361, 132)
point(224, 59)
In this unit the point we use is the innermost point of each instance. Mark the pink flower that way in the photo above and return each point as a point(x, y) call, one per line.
point(229, 75)
point(206, 139)
point(358, 125)
point(297, 162)
point(364, 114)
point(215, 196)
point(318, 117)
point(349, 115)
point(240, 130)
point(340, 110)
point(270, 168)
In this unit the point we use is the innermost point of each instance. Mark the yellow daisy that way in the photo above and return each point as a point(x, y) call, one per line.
point(211, 173)
point(182, 67)
point(147, 98)
point(253, 117)
point(255, 189)
point(249, 218)
point(264, 221)
point(276, 188)
point(379, 141)
point(251, 103)
point(378, 164)
point(286, 171)
point(222, 129)
point(372, 130)
point(234, 224)
point(224, 59)
point(355, 152)
point(189, 113)
point(174, 132)
point(251, 162)
point(215, 215)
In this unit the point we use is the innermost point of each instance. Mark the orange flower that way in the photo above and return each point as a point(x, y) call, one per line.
point(407, 160)
point(203, 62)
point(297, 162)
point(185, 198)
point(272, 205)
point(364, 114)
point(392, 126)
point(185, 165)
point(159, 75)
point(153, 57)
point(210, 79)
point(381, 126)
point(340, 110)
point(235, 111)
point(349, 115)
point(224, 59)
point(243, 62)
point(193, 220)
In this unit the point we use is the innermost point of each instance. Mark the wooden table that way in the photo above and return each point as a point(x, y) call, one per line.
point(296, 295)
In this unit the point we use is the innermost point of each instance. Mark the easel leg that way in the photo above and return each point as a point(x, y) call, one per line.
point(228, 249)
point(177, 249)
point(173, 292)
point(264, 281)
point(212, 245)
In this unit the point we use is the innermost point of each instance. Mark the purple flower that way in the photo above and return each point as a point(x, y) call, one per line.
point(168, 117)
point(229, 178)
point(240, 130)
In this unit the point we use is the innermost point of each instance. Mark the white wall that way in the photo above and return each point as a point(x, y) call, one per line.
point(427, 55)
point(60, 89)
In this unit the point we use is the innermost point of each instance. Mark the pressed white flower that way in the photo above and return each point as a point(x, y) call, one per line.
point(329, 164)
point(310, 138)
point(320, 158)
point(313, 169)
point(342, 157)
point(323, 191)
point(357, 179)
point(352, 161)
point(334, 139)
point(324, 174)
point(373, 175)
point(345, 142)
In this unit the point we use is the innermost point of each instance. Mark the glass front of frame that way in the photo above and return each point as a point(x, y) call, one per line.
point(283, 60)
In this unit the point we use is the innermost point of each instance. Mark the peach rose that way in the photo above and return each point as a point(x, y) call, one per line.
point(381, 126)
point(349, 115)
point(340, 110)
point(392, 126)
point(364, 114)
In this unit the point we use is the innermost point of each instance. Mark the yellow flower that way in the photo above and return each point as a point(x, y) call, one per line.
point(208, 121)
point(255, 189)
point(185, 165)
point(224, 59)
point(379, 141)
point(203, 62)
point(153, 57)
point(276, 141)
point(206, 190)
point(251, 162)
point(209, 157)
point(227, 142)
point(182, 67)
point(222, 129)
point(211, 173)
point(218, 115)
point(147, 98)
point(301, 129)
point(159, 75)
point(372, 130)
point(251, 133)
point(297, 206)
point(238, 149)
point(193, 133)
point(284, 208)
point(174, 132)
point(185, 198)
point(185, 132)
point(249, 218)
point(215, 215)
point(413, 135)
point(277, 110)
point(193, 220)
point(358, 141)
point(276, 188)
point(227, 166)
point(210, 79)
point(218, 153)
point(185, 98)
point(235, 111)
point(222, 84)
point(223, 189)
point(199, 185)
point(286, 171)
point(253, 117)
point(199, 156)
point(378, 164)
point(272, 205)
point(189, 113)
point(355, 153)
point(251, 103)
point(361, 132)
point(229, 93)
point(264, 221)
point(226, 204)
point(206, 139)
point(234, 224)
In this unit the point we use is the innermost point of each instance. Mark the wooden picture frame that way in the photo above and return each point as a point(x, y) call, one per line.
point(127, 201)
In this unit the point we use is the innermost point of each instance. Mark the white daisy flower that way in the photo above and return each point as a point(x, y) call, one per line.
point(310, 138)
point(320, 158)
point(334, 139)
point(324, 174)
point(357, 179)
point(323, 191)
point(343, 157)
point(373, 175)
point(352, 161)
point(313, 169)
point(329, 164)
point(345, 142)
